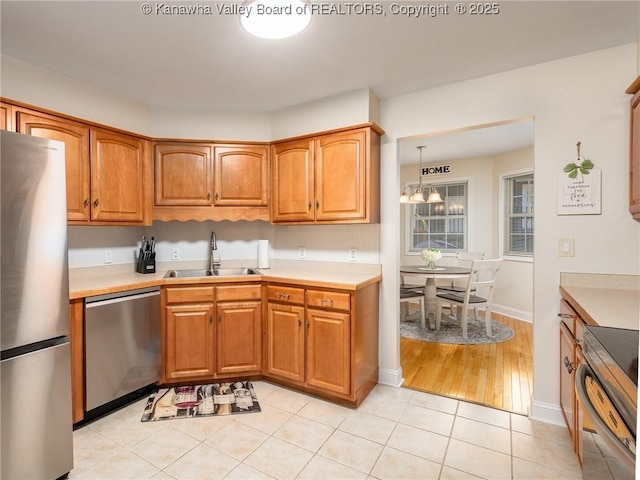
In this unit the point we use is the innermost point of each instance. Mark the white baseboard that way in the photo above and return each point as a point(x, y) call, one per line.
point(548, 413)
point(393, 378)
point(513, 313)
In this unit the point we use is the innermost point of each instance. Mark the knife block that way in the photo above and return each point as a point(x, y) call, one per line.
point(146, 262)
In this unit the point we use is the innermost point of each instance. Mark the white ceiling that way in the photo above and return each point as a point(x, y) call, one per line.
point(483, 141)
point(207, 62)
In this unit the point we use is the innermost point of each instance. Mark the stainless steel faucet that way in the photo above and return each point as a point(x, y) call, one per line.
point(214, 259)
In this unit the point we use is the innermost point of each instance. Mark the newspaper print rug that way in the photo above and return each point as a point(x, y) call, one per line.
point(194, 401)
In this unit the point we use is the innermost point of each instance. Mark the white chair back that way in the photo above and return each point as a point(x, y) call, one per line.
point(483, 278)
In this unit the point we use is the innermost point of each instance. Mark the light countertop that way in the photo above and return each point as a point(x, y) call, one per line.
point(605, 300)
point(88, 281)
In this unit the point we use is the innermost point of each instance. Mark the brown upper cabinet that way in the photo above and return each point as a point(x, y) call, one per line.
point(634, 158)
point(193, 179)
point(332, 178)
point(106, 171)
point(6, 117)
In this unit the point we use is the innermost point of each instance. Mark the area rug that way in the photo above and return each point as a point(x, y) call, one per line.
point(201, 401)
point(451, 333)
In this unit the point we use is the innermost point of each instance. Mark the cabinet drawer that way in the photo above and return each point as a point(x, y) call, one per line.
point(190, 294)
point(285, 294)
point(572, 320)
point(333, 300)
point(238, 292)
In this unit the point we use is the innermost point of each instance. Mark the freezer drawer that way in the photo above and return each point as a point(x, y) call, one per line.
point(122, 344)
point(37, 429)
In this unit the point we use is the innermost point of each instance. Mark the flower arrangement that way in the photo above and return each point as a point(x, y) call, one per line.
point(431, 256)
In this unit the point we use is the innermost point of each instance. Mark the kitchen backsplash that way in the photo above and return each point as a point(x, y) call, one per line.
point(189, 241)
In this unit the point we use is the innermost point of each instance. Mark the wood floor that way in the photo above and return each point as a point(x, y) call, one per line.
point(499, 375)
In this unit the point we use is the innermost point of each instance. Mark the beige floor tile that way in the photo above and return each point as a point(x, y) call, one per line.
point(368, 426)
point(525, 470)
point(164, 447)
point(286, 400)
point(245, 472)
point(125, 465)
point(520, 423)
point(427, 419)
point(320, 468)
point(162, 475)
point(417, 441)
point(129, 432)
point(202, 428)
point(384, 406)
point(484, 414)
point(482, 434)
point(449, 473)
point(268, 420)
point(477, 460)
point(352, 451)
point(394, 464)
point(544, 451)
point(435, 402)
point(279, 459)
point(304, 433)
point(402, 395)
point(202, 463)
point(237, 440)
point(325, 412)
point(91, 447)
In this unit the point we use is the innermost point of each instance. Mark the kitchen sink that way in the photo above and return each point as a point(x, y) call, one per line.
point(216, 272)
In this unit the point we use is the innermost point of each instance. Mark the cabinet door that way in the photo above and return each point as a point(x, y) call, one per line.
point(634, 161)
point(183, 175)
point(189, 336)
point(241, 176)
point(118, 172)
point(329, 350)
point(285, 342)
point(341, 176)
point(75, 137)
point(567, 378)
point(293, 198)
point(239, 337)
point(6, 117)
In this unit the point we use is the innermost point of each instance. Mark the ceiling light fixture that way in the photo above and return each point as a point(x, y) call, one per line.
point(275, 19)
point(434, 196)
point(417, 196)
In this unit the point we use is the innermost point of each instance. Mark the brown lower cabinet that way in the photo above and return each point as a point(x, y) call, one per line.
point(323, 341)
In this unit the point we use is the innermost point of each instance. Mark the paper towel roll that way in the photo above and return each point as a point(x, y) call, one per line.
point(263, 253)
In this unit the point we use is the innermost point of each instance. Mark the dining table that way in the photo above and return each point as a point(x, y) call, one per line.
point(430, 288)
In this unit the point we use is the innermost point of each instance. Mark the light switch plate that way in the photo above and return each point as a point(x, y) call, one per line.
point(566, 247)
point(302, 252)
point(353, 254)
point(175, 253)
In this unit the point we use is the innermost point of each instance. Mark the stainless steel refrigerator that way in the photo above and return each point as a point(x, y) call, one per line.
point(35, 363)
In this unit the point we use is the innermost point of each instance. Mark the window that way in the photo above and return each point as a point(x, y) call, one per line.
point(518, 231)
point(439, 225)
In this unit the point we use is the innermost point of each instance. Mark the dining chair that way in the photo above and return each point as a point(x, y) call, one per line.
point(481, 281)
point(462, 259)
point(409, 293)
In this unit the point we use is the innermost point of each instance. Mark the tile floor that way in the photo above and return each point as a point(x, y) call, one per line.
point(396, 433)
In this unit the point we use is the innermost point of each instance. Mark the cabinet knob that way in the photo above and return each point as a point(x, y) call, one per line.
point(565, 315)
point(216, 196)
point(96, 202)
point(309, 205)
point(210, 319)
point(317, 204)
point(208, 195)
point(299, 322)
point(327, 301)
point(284, 296)
point(86, 202)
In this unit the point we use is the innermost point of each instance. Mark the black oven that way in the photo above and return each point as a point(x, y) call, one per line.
point(607, 389)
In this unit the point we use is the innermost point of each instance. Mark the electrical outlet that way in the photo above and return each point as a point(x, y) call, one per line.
point(175, 253)
point(353, 254)
point(566, 247)
point(302, 252)
point(108, 256)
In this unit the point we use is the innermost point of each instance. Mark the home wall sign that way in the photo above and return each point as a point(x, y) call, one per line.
point(437, 170)
point(579, 188)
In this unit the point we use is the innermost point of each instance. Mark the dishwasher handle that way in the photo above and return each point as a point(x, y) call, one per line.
point(128, 295)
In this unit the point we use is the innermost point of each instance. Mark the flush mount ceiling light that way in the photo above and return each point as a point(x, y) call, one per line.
point(275, 19)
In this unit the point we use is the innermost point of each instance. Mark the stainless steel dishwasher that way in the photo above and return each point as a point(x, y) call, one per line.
point(122, 344)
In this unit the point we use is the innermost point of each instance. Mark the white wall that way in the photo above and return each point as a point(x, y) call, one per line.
point(44, 88)
point(575, 99)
